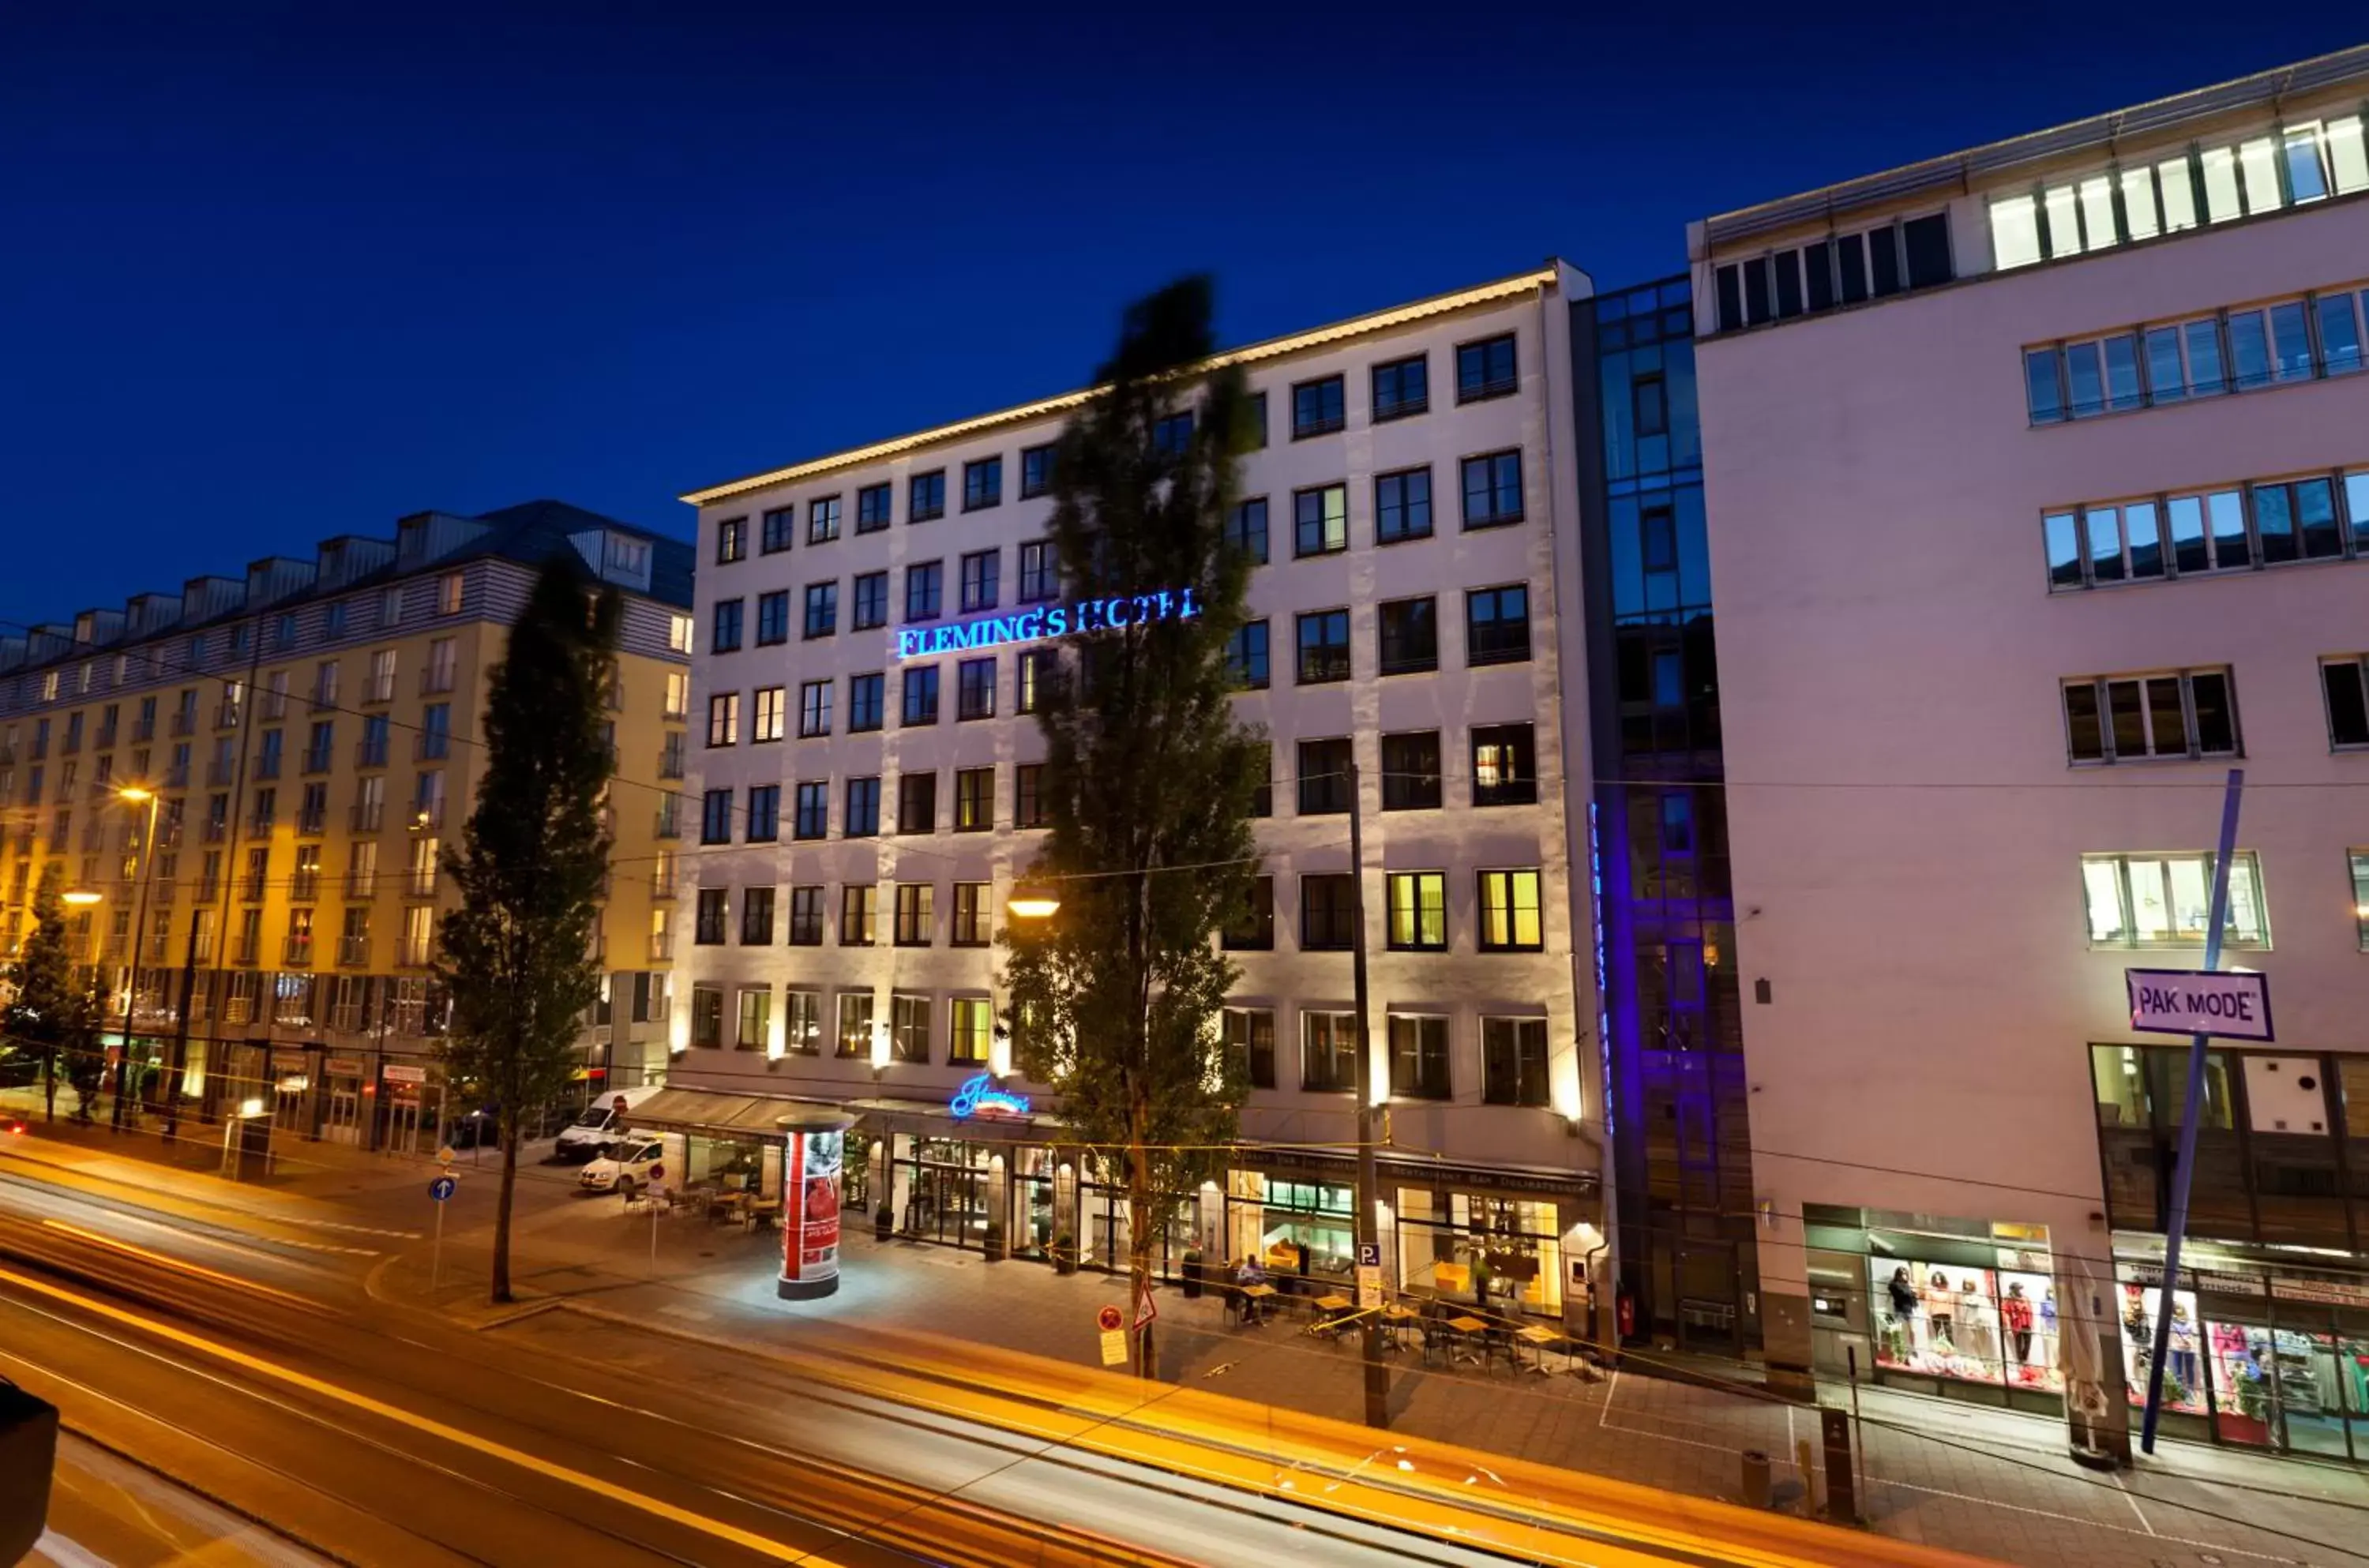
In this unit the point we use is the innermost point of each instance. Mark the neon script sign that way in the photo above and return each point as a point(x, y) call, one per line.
point(979, 1093)
point(1050, 621)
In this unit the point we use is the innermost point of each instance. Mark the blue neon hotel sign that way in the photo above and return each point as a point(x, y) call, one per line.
point(1047, 621)
point(980, 1097)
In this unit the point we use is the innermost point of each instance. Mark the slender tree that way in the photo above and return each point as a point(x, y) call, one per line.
point(517, 955)
point(1149, 779)
point(47, 1014)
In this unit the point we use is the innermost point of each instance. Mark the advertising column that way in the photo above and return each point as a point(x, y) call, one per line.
point(813, 1157)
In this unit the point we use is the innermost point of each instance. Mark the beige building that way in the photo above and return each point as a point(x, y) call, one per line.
point(310, 735)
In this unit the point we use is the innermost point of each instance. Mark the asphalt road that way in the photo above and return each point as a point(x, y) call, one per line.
point(105, 1513)
point(235, 1347)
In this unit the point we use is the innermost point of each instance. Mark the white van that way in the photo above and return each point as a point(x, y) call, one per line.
point(626, 1169)
point(602, 1122)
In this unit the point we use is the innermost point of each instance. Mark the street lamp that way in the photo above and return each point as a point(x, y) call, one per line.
point(137, 795)
point(81, 898)
point(1033, 901)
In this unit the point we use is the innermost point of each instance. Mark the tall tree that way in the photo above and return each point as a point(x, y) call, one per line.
point(517, 953)
point(1115, 1000)
point(47, 1014)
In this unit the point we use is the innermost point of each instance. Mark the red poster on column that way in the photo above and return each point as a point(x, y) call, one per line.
point(810, 1192)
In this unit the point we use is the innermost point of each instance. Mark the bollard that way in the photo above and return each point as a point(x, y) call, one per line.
point(1756, 1478)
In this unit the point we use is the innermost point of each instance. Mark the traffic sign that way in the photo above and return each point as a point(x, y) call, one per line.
point(1108, 1319)
point(442, 1187)
point(1146, 1313)
point(1370, 1287)
point(1369, 1254)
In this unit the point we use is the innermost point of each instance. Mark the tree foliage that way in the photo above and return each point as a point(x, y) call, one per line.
point(517, 955)
point(47, 1014)
point(1149, 779)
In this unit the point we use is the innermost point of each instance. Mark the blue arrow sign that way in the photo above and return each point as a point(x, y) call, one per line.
point(442, 1187)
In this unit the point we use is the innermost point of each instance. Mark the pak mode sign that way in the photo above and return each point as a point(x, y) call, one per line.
point(2194, 1002)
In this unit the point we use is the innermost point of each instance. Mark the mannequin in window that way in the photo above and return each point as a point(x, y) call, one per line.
point(2015, 1316)
point(1941, 1310)
point(1902, 1328)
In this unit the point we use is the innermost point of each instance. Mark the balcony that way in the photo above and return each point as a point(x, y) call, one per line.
point(103, 741)
point(7, 756)
point(213, 832)
point(353, 952)
point(669, 825)
point(185, 724)
point(143, 732)
point(432, 746)
point(262, 824)
point(664, 886)
point(72, 744)
point(246, 950)
point(322, 700)
point(412, 956)
point(226, 716)
point(367, 818)
point(206, 890)
point(379, 690)
point(360, 883)
point(251, 889)
point(316, 760)
point(178, 776)
point(670, 762)
point(429, 817)
point(267, 765)
point(219, 774)
point(371, 753)
point(419, 882)
point(304, 886)
point(661, 946)
point(272, 707)
point(296, 953)
point(435, 679)
point(314, 820)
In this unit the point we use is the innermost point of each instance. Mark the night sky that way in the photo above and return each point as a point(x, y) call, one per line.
point(275, 273)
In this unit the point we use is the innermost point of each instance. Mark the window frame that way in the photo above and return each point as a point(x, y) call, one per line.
point(1324, 423)
point(1493, 517)
point(1478, 657)
point(1430, 1048)
point(983, 483)
point(1326, 541)
point(1385, 503)
point(2101, 693)
point(2120, 863)
point(1401, 405)
point(1490, 913)
point(1323, 652)
point(1428, 891)
point(917, 509)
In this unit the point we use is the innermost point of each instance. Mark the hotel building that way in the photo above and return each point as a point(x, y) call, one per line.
point(2037, 483)
point(311, 733)
point(863, 816)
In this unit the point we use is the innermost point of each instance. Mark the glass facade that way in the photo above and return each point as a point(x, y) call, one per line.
point(1658, 838)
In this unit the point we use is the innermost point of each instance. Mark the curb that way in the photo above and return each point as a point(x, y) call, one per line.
point(225, 1504)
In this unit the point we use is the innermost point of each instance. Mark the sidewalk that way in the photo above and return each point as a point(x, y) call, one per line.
point(1987, 1481)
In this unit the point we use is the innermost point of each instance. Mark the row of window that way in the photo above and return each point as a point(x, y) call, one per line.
point(2305, 339)
point(1513, 1049)
point(2166, 901)
point(2292, 165)
point(1844, 270)
point(1402, 388)
point(2232, 528)
point(2187, 714)
point(1497, 631)
point(1503, 773)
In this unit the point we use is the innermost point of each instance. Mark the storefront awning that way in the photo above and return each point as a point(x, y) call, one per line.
point(699, 1110)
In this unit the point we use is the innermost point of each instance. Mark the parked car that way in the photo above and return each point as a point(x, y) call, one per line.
point(480, 1129)
point(18, 1069)
point(626, 1169)
point(603, 1123)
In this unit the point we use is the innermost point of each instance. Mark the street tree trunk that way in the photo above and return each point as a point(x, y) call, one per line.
point(1140, 1235)
point(500, 1292)
point(50, 1084)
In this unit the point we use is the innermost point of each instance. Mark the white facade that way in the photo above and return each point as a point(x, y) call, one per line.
point(1913, 792)
point(1534, 1147)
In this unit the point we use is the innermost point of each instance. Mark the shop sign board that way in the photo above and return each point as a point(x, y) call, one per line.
point(1113, 1347)
point(2327, 1292)
point(810, 1194)
point(343, 1067)
point(396, 1072)
point(1052, 620)
point(2218, 1282)
point(979, 1096)
point(2230, 1006)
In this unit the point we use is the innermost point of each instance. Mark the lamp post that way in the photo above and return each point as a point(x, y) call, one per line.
point(1367, 1231)
point(136, 793)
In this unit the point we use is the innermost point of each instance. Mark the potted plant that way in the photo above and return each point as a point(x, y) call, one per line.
point(884, 1223)
point(992, 1242)
point(1195, 1274)
point(1065, 1253)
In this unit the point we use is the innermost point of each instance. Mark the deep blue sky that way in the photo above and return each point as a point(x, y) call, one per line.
point(273, 273)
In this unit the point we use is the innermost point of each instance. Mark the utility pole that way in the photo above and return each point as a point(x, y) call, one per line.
point(123, 1074)
point(1369, 1328)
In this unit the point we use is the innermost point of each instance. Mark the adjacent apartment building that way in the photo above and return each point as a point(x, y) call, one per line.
point(864, 800)
point(311, 733)
point(2038, 485)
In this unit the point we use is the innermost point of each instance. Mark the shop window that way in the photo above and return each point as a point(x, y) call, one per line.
point(1513, 1061)
point(1249, 1040)
point(972, 1032)
point(707, 1017)
point(756, 1018)
point(802, 1023)
point(855, 1023)
point(2166, 901)
point(1328, 1061)
point(1418, 1056)
point(1940, 1315)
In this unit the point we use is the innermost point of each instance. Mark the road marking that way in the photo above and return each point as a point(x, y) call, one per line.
point(656, 1507)
point(130, 1250)
point(2135, 1504)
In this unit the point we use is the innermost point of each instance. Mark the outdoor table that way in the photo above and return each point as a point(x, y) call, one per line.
point(1332, 1307)
point(1538, 1339)
point(1395, 1321)
point(1471, 1328)
point(1256, 1295)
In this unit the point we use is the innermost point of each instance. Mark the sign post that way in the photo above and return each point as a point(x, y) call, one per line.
point(439, 1192)
point(657, 1172)
point(1369, 1276)
point(2183, 1173)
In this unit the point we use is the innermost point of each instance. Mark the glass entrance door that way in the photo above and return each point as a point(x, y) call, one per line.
point(950, 1205)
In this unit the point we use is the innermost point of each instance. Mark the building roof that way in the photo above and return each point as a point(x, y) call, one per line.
point(1982, 165)
point(531, 530)
point(1543, 276)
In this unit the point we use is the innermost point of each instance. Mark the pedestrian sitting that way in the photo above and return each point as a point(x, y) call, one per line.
point(1250, 1273)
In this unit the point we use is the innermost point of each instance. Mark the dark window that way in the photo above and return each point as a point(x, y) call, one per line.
point(1410, 635)
point(731, 540)
point(1883, 259)
point(1505, 766)
point(764, 814)
point(1246, 658)
point(1731, 298)
point(1818, 274)
point(974, 800)
point(773, 618)
point(1040, 575)
point(1496, 625)
point(982, 484)
point(1649, 399)
point(1246, 529)
point(1172, 435)
point(707, 1015)
point(1758, 306)
point(921, 705)
point(1492, 489)
point(982, 579)
point(1028, 795)
point(2346, 681)
point(715, 818)
point(2135, 717)
point(870, 608)
point(862, 818)
point(814, 709)
point(924, 585)
point(822, 609)
point(1513, 1061)
point(975, 688)
point(1036, 471)
point(813, 819)
point(1789, 284)
point(1418, 1056)
point(1927, 241)
point(1401, 387)
point(1323, 774)
point(1328, 1055)
point(1403, 505)
point(973, 921)
point(1411, 770)
point(780, 525)
point(1321, 520)
point(726, 632)
point(1323, 646)
point(756, 917)
point(1851, 252)
point(1251, 928)
point(917, 802)
point(1253, 422)
point(822, 520)
point(806, 917)
point(713, 914)
point(1485, 369)
point(1317, 407)
point(872, 508)
point(1249, 1040)
point(1326, 923)
point(1657, 529)
point(864, 702)
point(926, 497)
